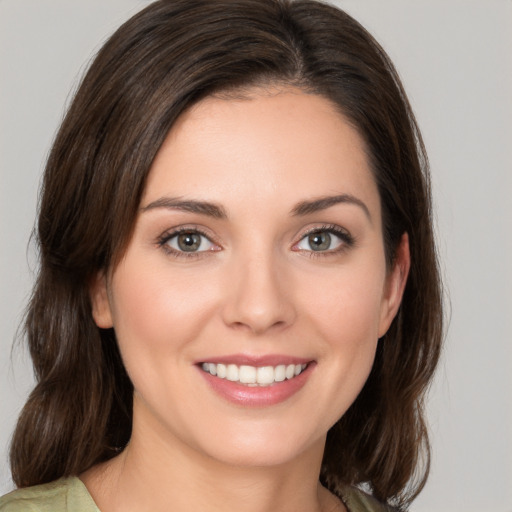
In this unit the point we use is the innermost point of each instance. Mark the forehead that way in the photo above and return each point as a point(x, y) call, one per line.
point(267, 146)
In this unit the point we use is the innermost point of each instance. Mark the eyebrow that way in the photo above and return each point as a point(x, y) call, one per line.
point(193, 206)
point(322, 203)
point(218, 212)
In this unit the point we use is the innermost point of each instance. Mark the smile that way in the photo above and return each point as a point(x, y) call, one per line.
point(254, 376)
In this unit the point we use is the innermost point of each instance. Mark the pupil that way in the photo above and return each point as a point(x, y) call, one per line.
point(320, 241)
point(189, 242)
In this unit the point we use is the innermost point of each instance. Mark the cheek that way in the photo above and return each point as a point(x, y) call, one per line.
point(346, 318)
point(156, 314)
point(347, 306)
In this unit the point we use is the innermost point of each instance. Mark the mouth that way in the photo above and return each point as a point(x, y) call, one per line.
point(254, 376)
point(256, 381)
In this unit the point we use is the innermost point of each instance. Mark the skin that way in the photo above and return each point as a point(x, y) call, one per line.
point(257, 288)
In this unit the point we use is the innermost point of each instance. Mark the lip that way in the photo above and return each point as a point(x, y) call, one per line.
point(257, 396)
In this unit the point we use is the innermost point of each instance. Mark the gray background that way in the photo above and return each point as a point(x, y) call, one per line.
point(455, 59)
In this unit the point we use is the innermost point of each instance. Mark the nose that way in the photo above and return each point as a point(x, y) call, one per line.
point(259, 297)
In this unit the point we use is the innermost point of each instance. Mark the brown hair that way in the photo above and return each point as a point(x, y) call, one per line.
point(168, 56)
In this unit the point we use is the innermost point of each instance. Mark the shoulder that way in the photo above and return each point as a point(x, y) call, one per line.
point(66, 494)
point(358, 501)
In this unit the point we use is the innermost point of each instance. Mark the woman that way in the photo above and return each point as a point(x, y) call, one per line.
point(238, 302)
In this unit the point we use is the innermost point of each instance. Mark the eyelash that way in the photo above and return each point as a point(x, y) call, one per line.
point(347, 239)
point(163, 242)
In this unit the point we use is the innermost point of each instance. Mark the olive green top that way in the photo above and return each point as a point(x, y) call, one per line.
point(71, 495)
point(64, 495)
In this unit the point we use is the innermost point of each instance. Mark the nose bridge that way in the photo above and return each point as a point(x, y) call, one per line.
point(259, 298)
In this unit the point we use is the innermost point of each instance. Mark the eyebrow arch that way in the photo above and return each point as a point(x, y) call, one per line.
point(322, 203)
point(193, 206)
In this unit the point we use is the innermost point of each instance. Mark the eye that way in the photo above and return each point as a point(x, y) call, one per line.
point(189, 241)
point(325, 240)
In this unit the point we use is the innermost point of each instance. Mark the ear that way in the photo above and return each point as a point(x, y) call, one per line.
point(395, 285)
point(100, 302)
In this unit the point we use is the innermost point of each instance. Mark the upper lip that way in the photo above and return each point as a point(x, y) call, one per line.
point(255, 360)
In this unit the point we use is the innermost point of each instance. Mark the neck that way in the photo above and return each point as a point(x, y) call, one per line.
point(158, 474)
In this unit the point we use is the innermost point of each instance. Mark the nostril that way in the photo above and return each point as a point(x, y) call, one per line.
point(257, 299)
point(258, 327)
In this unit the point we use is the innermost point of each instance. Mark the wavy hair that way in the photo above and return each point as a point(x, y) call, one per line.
point(160, 62)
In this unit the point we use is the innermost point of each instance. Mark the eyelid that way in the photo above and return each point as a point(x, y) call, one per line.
point(163, 241)
point(347, 240)
point(343, 234)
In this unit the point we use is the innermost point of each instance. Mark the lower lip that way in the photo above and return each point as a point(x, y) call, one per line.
point(257, 396)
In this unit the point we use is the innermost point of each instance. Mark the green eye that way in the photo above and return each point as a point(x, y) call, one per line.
point(326, 239)
point(189, 241)
point(319, 241)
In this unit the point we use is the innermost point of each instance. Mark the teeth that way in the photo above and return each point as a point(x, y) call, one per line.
point(221, 371)
point(252, 375)
point(265, 376)
point(247, 375)
point(280, 373)
point(232, 372)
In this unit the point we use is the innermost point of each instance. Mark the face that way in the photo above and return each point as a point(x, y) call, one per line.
point(251, 297)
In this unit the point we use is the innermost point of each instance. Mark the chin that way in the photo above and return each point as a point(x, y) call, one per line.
point(276, 447)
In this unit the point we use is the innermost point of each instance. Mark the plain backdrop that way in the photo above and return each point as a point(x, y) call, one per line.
point(455, 60)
